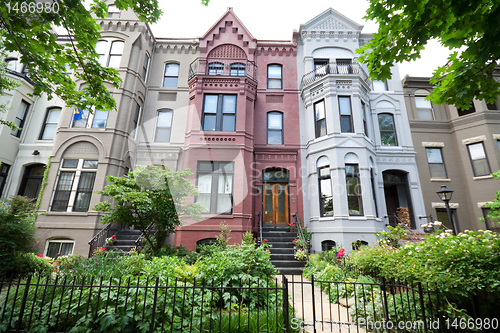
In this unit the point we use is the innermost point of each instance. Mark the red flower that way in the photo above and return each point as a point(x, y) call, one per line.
point(295, 240)
point(266, 250)
point(40, 255)
point(265, 239)
point(114, 236)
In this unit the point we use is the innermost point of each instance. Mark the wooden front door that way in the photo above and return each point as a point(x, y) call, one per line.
point(276, 203)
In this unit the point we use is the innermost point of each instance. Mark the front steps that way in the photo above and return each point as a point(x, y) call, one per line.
point(282, 250)
point(125, 240)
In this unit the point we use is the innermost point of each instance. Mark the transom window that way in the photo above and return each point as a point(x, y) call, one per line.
point(274, 77)
point(74, 187)
point(20, 119)
point(215, 186)
point(171, 75)
point(387, 129)
point(424, 108)
point(345, 114)
point(436, 163)
point(219, 113)
point(110, 52)
point(478, 159)
point(274, 128)
point(163, 125)
point(320, 118)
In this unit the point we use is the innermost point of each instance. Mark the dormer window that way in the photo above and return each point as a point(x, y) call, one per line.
point(113, 12)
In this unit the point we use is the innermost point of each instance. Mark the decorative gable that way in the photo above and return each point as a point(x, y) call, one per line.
point(330, 24)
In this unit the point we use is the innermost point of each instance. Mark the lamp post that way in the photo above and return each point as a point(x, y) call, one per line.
point(445, 194)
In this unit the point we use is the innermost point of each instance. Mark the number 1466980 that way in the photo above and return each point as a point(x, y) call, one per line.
point(32, 7)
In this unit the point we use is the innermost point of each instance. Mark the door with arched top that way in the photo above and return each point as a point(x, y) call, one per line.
point(275, 196)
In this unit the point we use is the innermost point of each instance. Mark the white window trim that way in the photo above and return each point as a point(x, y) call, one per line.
point(474, 140)
point(58, 241)
point(433, 144)
point(453, 205)
point(109, 44)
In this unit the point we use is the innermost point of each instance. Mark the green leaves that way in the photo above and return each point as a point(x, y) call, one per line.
point(405, 27)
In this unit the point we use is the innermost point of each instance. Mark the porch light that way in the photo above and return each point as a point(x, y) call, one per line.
point(445, 193)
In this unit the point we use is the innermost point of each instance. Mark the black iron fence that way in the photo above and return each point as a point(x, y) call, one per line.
point(335, 68)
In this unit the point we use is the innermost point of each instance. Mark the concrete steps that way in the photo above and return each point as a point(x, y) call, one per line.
point(125, 240)
point(282, 250)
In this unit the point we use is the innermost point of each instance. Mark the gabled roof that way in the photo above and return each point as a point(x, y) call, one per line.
point(331, 19)
point(228, 15)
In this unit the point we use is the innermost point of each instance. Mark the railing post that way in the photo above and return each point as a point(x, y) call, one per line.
point(23, 303)
point(260, 228)
point(285, 304)
point(313, 303)
point(384, 296)
point(154, 306)
point(421, 296)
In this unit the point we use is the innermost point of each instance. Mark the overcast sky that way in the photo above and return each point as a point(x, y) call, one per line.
point(276, 19)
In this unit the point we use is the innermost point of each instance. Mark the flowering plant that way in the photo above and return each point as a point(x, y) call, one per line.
point(291, 225)
point(300, 255)
point(111, 240)
point(340, 254)
point(298, 244)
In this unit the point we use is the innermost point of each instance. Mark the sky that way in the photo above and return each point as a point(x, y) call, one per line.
point(276, 19)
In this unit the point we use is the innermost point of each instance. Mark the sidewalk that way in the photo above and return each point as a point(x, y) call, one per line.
point(329, 317)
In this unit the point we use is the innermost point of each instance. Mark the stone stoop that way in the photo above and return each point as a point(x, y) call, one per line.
point(282, 250)
point(125, 240)
point(411, 237)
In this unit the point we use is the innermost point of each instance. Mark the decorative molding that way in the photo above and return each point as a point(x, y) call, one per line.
point(433, 144)
point(453, 205)
point(330, 24)
point(81, 149)
point(350, 143)
point(316, 90)
point(227, 83)
point(185, 48)
point(395, 159)
point(496, 136)
point(278, 156)
point(217, 139)
point(344, 84)
point(227, 51)
point(483, 177)
point(474, 140)
point(157, 155)
point(440, 180)
point(481, 204)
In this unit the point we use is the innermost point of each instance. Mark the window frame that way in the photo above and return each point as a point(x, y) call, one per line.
point(239, 67)
point(442, 162)
point(321, 66)
point(270, 79)
point(281, 130)
point(136, 120)
point(4, 175)
point(164, 127)
point(219, 113)
point(393, 131)
point(487, 220)
point(317, 129)
point(74, 189)
point(462, 112)
point(492, 106)
point(365, 119)
point(386, 86)
point(44, 125)
point(105, 58)
point(21, 121)
point(343, 116)
point(165, 76)
point(485, 158)
point(60, 241)
point(16, 62)
point(215, 68)
point(215, 173)
point(431, 108)
point(354, 175)
point(145, 67)
point(115, 13)
point(320, 178)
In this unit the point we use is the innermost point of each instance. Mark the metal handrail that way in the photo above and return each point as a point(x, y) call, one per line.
point(225, 67)
point(260, 229)
point(300, 233)
point(341, 68)
point(400, 223)
point(143, 233)
point(99, 238)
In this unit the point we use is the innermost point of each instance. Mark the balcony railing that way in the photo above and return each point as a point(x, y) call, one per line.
point(223, 67)
point(334, 68)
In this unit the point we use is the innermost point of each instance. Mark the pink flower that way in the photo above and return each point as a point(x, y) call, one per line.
point(295, 240)
point(40, 255)
point(265, 239)
point(103, 248)
point(267, 250)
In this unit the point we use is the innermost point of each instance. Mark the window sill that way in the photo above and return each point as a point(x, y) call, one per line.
point(51, 213)
point(483, 177)
point(440, 180)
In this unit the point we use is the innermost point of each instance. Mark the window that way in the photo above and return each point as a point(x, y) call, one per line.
point(163, 125)
point(492, 106)
point(424, 108)
point(238, 69)
point(387, 129)
point(274, 128)
point(219, 113)
point(215, 187)
point(215, 68)
point(380, 85)
point(365, 121)
point(372, 180)
point(80, 118)
point(478, 159)
point(4, 173)
point(113, 11)
point(345, 115)
point(325, 187)
point(463, 112)
point(135, 122)
point(100, 118)
point(436, 163)
point(327, 245)
point(442, 216)
point(491, 223)
point(85, 119)
point(356, 245)
point(145, 67)
point(353, 190)
point(59, 247)
point(74, 185)
point(32, 181)
point(20, 119)
point(320, 118)
point(274, 77)
point(110, 54)
point(171, 75)
point(13, 64)
point(498, 144)
point(50, 124)
point(321, 67)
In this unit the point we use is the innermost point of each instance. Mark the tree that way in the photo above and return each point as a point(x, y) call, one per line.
point(150, 194)
point(494, 205)
point(28, 27)
point(405, 27)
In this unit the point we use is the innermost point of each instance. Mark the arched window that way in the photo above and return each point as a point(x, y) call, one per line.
point(387, 129)
point(325, 186)
point(274, 77)
point(356, 245)
point(274, 128)
point(327, 245)
point(215, 68)
point(163, 125)
point(50, 123)
point(238, 69)
point(171, 75)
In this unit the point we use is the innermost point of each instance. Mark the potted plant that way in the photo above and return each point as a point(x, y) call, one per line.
point(110, 240)
point(292, 227)
point(300, 255)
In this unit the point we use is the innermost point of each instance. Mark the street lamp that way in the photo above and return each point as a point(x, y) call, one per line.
point(445, 194)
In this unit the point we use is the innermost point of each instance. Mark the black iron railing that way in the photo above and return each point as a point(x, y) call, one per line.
point(223, 67)
point(334, 68)
point(99, 239)
point(300, 233)
point(260, 238)
point(150, 230)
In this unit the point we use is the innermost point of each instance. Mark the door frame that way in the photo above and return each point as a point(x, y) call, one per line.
point(283, 181)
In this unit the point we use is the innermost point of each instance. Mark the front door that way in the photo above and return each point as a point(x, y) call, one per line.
point(276, 203)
